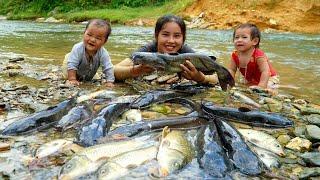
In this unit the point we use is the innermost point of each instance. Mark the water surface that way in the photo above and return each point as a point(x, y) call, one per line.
point(295, 56)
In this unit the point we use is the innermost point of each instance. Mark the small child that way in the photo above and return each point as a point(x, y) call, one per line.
point(82, 63)
point(250, 60)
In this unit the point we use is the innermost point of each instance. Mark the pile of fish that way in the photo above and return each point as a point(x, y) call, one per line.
point(220, 149)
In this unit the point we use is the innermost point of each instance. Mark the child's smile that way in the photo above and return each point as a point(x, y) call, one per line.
point(94, 38)
point(243, 41)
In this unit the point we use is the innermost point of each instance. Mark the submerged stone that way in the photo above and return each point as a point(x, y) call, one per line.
point(283, 139)
point(312, 158)
point(299, 131)
point(313, 119)
point(312, 132)
point(309, 172)
point(299, 144)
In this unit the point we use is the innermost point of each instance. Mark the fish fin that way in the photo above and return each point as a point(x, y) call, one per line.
point(131, 166)
point(102, 159)
point(225, 78)
point(165, 131)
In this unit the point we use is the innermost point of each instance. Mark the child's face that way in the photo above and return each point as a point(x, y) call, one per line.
point(242, 40)
point(94, 38)
point(170, 38)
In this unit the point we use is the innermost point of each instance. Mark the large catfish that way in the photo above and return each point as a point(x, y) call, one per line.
point(38, 119)
point(171, 63)
point(247, 116)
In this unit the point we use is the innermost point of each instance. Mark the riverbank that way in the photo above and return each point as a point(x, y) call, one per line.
point(285, 15)
point(282, 15)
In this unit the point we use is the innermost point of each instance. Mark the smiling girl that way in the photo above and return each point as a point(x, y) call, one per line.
point(251, 61)
point(170, 35)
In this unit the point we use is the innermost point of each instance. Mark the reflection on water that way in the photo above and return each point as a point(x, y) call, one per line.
point(295, 56)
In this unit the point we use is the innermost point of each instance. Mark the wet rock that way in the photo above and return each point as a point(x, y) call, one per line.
point(273, 105)
point(312, 132)
point(299, 144)
point(4, 147)
point(149, 115)
point(313, 119)
point(299, 131)
point(13, 66)
point(296, 171)
point(288, 160)
point(309, 110)
point(182, 110)
point(16, 59)
point(160, 108)
point(165, 78)
point(283, 139)
point(309, 172)
point(41, 19)
point(51, 20)
point(300, 102)
point(312, 158)
point(13, 73)
point(151, 77)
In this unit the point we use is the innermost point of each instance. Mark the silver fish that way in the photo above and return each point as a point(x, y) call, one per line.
point(120, 165)
point(90, 159)
point(262, 140)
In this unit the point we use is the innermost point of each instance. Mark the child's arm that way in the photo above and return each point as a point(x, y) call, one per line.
point(125, 69)
point(72, 77)
point(265, 72)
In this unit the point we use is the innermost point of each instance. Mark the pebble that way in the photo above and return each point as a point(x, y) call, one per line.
point(299, 144)
point(4, 146)
point(313, 119)
point(309, 172)
point(299, 131)
point(312, 133)
point(283, 139)
point(312, 158)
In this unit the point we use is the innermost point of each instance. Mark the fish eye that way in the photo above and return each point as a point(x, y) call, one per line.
point(176, 164)
point(68, 166)
point(103, 171)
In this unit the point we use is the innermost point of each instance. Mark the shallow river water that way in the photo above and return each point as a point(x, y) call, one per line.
point(294, 56)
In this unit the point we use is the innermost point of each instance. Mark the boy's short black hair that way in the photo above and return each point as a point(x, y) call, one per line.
point(100, 23)
point(170, 18)
point(255, 32)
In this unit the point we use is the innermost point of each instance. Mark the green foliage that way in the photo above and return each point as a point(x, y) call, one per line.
point(135, 3)
point(117, 11)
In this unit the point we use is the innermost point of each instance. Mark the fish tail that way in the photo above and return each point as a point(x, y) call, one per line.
point(225, 78)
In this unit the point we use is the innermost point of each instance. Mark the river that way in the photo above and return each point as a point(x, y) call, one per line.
point(294, 56)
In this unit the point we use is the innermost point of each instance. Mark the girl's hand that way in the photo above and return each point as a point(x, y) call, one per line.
point(138, 70)
point(109, 84)
point(73, 82)
point(190, 72)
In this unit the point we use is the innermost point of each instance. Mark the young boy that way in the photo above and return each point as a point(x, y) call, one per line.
point(82, 63)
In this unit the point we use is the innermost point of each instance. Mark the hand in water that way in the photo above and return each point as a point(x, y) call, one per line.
point(190, 72)
point(141, 69)
point(109, 84)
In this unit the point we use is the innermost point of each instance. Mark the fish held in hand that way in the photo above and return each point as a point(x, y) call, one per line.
point(171, 64)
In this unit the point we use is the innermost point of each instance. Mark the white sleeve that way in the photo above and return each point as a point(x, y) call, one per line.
point(74, 58)
point(107, 66)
